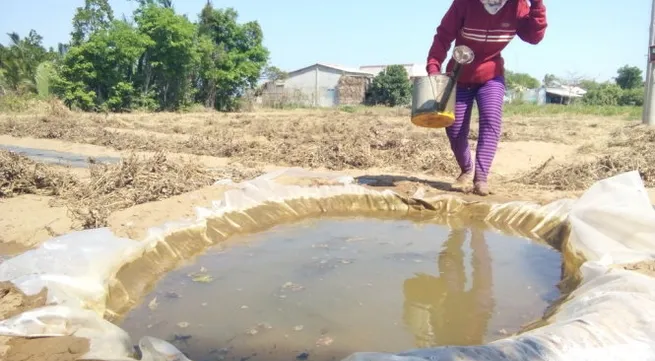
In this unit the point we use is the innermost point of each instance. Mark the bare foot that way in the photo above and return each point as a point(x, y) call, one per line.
point(463, 182)
point(481, 188)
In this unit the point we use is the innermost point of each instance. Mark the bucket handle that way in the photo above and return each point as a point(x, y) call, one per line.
point(433, 86)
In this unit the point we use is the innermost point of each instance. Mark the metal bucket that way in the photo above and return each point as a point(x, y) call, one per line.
point(427, 92)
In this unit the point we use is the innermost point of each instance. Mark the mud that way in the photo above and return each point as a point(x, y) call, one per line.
point(325, 288)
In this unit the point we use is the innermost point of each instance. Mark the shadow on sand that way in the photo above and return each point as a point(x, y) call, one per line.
point(384, 180)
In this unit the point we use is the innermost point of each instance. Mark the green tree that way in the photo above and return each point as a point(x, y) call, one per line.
point(589, 84)
point(166, 66)
point(604, 94)
point(520, 81)
point(100, 72)
point(232, 57)
point(550, 80)
point(20, 60)
point(629, 77)
point(273, 73)
point(93, 16)
point(633, 97)
point(391, 87)
point(45, 74)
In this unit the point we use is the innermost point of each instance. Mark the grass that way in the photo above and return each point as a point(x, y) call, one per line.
point(550, 110)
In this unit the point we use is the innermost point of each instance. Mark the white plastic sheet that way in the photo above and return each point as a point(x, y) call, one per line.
point(611, 316)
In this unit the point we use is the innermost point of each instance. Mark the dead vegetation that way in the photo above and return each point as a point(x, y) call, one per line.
point(111, 187)
point(20, 175)
point(362, 139)
point(629, 148)
point(135, 180)
point(336, 143)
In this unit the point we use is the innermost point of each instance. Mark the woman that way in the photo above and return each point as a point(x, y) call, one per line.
point(485, 26)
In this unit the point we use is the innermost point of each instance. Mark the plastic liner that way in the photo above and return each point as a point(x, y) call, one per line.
point(94, 275)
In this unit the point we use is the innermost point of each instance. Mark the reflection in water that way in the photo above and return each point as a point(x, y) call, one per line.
point(439, 310)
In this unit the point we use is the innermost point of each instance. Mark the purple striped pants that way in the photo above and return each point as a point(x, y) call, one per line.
point(489, 98)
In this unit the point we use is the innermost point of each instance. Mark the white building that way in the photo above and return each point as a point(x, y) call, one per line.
point(413, 70)
point(315, 85)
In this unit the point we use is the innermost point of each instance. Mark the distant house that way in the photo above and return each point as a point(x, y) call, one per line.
point(557, 94)
point(319, 85)
point(563, 94)
point(413, 70)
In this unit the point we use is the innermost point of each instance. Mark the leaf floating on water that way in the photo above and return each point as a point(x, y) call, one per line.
point(183, 324)
point(153, 304)
point(354, 239)
point(292, 286)
point(202, 278)
point(298, 328)
point(252, 331)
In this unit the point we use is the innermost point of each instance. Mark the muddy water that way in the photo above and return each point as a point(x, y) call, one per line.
point(55, 157)
point(325, 288)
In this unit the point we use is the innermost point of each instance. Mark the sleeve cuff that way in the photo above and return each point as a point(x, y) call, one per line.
point(432, 69)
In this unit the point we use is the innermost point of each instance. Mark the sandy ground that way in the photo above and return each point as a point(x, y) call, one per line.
point(380, 149)
point(257, 138)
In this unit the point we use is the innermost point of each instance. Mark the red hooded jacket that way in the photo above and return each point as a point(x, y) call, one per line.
point(468, 23)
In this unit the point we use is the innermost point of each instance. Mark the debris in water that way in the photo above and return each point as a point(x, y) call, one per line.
point(324, 341)
point(260, 326)
point(298, 328)
point(265, 325)
point(244, 307)
point(203, 304)
point(182, 324)
point(302, 356)
point(181, 337)
point(355, 239)
point(153, 304)
point(171, 294)
point(202, 278)
point(503, 332)
point(292, 286)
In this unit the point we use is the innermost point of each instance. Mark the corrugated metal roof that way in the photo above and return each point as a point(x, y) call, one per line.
point(567, 91)
point(335, 67)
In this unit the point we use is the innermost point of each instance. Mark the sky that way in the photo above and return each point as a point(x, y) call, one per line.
point(585, 38)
